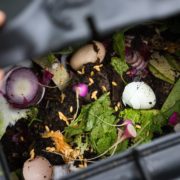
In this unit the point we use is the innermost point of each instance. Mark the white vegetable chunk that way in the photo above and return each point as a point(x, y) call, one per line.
point(9, 115)
point(139, 95)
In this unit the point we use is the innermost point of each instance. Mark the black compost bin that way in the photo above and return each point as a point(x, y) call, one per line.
point(70, 104)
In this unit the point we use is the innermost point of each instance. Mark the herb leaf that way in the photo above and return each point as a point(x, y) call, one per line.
point(119, 45)
point(119, 66)
point(119, 63)
point(92, 123)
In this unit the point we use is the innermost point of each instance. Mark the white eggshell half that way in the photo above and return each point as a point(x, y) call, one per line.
point(88, 54)
point(139, 95)
point(37, 169)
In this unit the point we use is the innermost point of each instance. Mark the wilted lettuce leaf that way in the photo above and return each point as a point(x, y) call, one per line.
point(92, 124)
point(172, 98)
point(146, 120)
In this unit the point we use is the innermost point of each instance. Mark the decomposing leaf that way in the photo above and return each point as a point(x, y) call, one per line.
point(172, 98)
point(160, 68)
point(60, 74)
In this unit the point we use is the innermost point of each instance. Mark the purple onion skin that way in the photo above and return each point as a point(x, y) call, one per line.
point(47, 77)
point(174, 119)
point(81, 89)
point(23, 80)
point(136, 57)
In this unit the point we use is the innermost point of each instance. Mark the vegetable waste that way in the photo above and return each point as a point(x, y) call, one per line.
point(88, 102)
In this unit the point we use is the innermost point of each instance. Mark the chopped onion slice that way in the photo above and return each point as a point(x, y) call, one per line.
point(22, 88)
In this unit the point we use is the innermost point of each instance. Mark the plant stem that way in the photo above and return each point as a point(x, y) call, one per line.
point(113, 125)
point(123, 79)
point(77, 105)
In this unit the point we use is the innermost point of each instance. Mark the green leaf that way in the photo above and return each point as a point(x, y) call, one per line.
point(51, 59)
point(163, 117)
point(119, 44)
point(78, 126)
point(119, 63)
point(93, 123)
point(119, 66)
point(146, 120)
point(173, 97)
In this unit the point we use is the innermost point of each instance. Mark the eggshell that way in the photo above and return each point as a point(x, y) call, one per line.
point(89, 53)
point(38, 168)
point(139, 95)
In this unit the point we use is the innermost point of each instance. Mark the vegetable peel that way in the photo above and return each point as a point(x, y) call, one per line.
point(61, 146)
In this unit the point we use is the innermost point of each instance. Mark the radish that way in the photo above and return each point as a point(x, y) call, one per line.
point(22, 88)
point(128, 133)
point(80, 89)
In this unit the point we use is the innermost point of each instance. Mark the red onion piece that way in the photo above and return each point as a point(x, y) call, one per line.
point(3, 81)
point(142, 65)
point(47, 77)
point(22, 88)
point(81, 89)
point(139, 60)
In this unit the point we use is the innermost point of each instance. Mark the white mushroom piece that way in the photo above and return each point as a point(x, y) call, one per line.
point(89, 53)
point(38, 168)
point(139, 95)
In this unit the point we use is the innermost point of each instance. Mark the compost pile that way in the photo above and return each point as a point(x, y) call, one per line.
point(88, 102)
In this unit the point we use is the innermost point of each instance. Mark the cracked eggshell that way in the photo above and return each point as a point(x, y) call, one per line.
point(38, 168)
point(139, 95)
point(89, 53)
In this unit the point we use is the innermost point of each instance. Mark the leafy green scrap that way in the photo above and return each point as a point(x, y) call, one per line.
point(119, 63)
point(160, 68)
point(93, 124)
point(172, 98)
point(145, 119)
